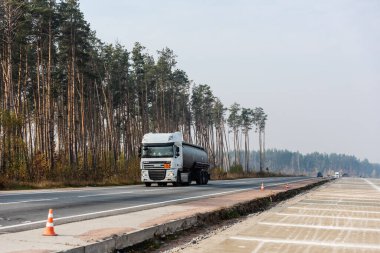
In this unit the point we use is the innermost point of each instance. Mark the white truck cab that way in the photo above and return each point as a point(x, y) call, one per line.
point(166, 158)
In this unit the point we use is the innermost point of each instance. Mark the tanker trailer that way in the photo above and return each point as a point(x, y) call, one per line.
point(166, 158)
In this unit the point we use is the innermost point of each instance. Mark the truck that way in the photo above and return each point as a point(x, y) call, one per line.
point(167, 158)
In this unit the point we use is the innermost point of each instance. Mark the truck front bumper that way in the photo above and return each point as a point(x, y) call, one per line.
point(149, 176)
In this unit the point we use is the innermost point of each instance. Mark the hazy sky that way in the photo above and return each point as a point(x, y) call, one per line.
point(314, 66)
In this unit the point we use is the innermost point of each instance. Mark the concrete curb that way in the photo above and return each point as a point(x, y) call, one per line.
point(122, 241)
point(128, 240)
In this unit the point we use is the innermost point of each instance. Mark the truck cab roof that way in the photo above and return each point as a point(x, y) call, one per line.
point(162, 137)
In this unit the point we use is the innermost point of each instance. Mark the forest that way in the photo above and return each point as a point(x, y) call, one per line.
point(294, 163)
point(74, 109)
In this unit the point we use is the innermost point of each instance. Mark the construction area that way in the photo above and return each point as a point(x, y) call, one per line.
point(341, 216)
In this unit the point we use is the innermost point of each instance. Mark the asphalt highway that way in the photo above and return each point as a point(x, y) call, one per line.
point(24, 210)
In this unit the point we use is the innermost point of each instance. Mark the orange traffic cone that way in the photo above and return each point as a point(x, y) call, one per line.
point(49, 230)
point(262, 186)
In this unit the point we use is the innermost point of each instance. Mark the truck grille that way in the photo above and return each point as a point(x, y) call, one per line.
point(154, 165)
point(157, 174)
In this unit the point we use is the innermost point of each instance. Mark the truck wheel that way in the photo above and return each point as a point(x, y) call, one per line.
point(198, 178)
point(178, 183)
point(148, 184)
point(205, 177)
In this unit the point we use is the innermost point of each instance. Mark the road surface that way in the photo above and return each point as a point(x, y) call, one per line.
point(24, 210)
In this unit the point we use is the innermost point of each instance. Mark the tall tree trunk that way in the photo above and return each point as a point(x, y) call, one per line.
point(261, 151)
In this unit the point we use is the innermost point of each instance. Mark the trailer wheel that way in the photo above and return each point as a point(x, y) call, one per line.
point(202, 178)
point(205, 175)
point(148, 184)
point(198, 178)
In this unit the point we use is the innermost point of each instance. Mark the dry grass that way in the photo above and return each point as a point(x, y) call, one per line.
point(219, 174)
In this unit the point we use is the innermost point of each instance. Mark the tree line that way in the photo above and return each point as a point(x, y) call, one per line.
point(73, 107)
point(295, 163)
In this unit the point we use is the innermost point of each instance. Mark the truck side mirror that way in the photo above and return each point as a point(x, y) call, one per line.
point(139, 152)
point(177, 151)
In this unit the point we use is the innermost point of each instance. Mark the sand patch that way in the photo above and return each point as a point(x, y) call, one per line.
point(104, 233)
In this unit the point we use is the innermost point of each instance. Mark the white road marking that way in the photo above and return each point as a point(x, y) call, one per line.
point(345, 199)
point(359, 202)
point(104, 194)
point(31, 192)
point(308, 243)
point(372, 184)
point(333, 209)
point(336, 204)
point(26, 201)
point(146, 205)
point(351, 194)
point(328, 216)
point(164, 189)
point(277, 224)
point(258, 247)
point(235, 183)
point(337, 196)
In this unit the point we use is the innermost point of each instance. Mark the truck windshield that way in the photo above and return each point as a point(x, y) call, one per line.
point(157, 151)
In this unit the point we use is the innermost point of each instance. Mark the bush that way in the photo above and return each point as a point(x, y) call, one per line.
point(218, 173)
point(133, 170)
point(236, 169)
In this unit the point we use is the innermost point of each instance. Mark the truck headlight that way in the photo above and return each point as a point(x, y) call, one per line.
point(170, 174)
point(144, 173)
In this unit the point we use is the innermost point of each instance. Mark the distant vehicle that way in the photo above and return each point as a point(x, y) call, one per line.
point(319, 174)
point(337, 174)
point(166, 158)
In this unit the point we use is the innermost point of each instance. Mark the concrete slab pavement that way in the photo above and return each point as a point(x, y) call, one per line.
point(342, 216)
